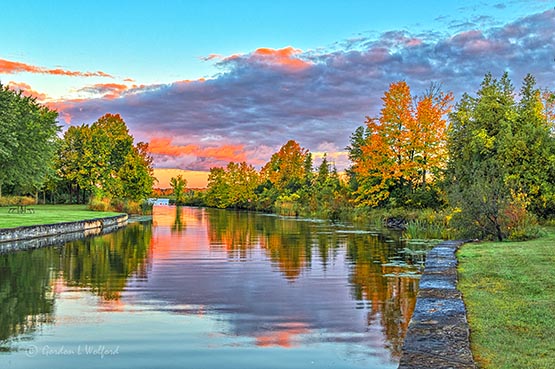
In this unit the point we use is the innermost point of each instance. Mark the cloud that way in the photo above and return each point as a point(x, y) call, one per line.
point(107, 90)
point(11, 67)
point(27, 90)
point(193, 155)
point(261, 99)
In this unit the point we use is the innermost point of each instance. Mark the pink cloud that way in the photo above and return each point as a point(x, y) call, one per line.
point(226, 153)
point(286, 58)
point(27, 90)
point(11, 67)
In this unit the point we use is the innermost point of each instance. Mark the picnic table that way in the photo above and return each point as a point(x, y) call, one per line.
point(21, 209)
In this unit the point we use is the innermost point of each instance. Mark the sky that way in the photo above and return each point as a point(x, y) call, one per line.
point(209, 82)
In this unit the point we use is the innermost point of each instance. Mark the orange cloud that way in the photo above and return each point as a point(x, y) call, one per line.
point(11, 67)
point(163, 146)
point(286, 58)
point(108, 90)
point(27, 90)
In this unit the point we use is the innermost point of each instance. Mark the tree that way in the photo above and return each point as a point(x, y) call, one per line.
point(136, 174)
point(528, 151)
point(101, 160)
point(501, 159)
point(354, 150)
point(287, 168)
point(178, 185)
point(233, 186)
point(396, 152)
point(28, 134)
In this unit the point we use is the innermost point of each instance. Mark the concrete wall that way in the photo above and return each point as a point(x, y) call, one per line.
point(20, 238)
point(438, 334)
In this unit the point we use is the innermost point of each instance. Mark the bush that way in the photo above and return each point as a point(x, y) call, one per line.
point(17, 200)
point(99, 204)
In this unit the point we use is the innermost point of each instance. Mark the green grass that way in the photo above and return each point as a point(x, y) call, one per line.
point(48, 214)
point(509, 291)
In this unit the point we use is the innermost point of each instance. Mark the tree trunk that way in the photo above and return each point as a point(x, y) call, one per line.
point(499, 233)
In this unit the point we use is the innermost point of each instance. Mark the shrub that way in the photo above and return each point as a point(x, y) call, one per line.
point(17, 200)
point(99, 204)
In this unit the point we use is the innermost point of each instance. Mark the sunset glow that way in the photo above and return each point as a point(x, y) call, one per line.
point(229, 87)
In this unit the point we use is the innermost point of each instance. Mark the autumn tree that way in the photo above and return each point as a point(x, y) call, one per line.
point(398, 150)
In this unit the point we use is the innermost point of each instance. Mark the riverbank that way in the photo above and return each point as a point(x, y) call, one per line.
point(49, 225)
point(49, 214)
point(509, 290)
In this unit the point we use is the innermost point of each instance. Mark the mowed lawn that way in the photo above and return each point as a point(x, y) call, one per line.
point(48, 214)
point(509, 291)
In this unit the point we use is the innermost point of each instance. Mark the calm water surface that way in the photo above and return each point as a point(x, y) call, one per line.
point(204, 288)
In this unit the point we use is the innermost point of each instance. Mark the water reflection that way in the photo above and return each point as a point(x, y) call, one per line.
point(30, 281)
point(304, 286)
point(338, 276)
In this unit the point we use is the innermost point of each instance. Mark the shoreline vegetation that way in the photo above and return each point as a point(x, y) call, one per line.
point(480, 168)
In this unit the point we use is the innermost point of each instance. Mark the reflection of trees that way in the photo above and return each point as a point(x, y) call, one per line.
point(289, 244)
point(178, 222)
point(236, 231)
point(392, 298)
point(26, 299)
point(104, 263)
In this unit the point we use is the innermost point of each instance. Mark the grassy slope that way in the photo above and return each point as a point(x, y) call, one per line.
point(509, 291)
point(48, 214)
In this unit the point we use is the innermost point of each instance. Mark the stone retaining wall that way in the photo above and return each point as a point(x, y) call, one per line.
point(21, 238)
point(438, 333)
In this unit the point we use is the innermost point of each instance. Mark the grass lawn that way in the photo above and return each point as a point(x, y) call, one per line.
point(509, 291)
point(48, 214)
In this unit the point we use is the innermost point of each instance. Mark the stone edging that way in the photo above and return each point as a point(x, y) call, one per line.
point(438, 333)
point(22, 238)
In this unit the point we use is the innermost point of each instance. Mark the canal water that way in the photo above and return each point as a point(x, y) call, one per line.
point(210, 289)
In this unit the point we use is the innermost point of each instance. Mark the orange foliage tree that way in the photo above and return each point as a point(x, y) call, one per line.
point(403, 145)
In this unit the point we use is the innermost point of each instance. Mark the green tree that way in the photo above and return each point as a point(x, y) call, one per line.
point(233, 186)
point(528, 152)
point(101, 160)
point(178, 184)
point(28, 133)
point(357, 141)
point(501, 159)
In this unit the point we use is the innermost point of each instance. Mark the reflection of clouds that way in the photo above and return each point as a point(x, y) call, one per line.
point(242, 282)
